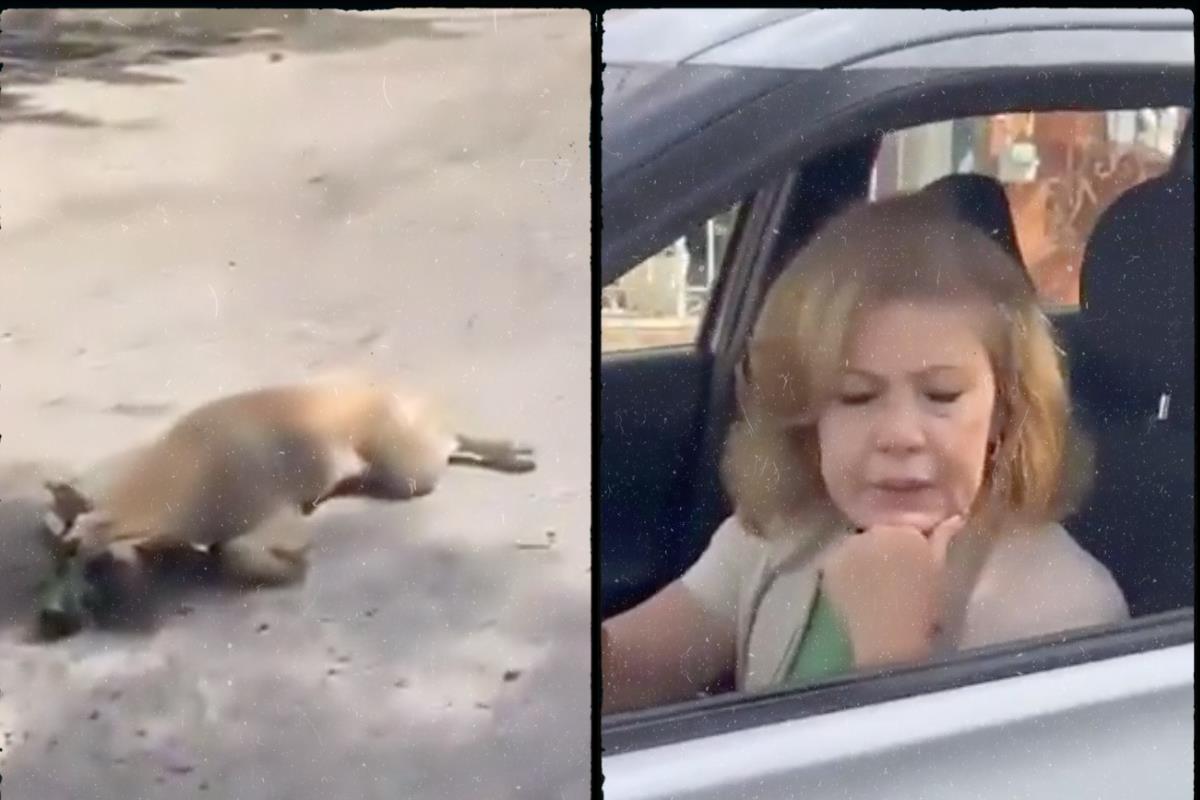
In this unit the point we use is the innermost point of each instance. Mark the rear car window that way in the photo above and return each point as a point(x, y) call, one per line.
point(1060, 170)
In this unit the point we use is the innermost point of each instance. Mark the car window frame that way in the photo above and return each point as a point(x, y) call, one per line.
point(733, 711)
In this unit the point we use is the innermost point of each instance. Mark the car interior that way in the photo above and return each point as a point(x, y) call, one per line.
point(1129, 351)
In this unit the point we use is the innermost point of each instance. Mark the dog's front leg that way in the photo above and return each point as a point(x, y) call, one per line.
point(273, 553)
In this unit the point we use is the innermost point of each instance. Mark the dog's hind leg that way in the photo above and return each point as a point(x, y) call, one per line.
point(402, 461)
point(389, 478)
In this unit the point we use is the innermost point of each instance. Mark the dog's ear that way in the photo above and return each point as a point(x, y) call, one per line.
point(67, 502)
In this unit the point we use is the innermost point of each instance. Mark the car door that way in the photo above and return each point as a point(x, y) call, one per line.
point(1098, 716)
point(1103, 713)
point(651, 434)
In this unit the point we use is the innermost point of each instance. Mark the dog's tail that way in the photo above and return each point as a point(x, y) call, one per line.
point(500, 455)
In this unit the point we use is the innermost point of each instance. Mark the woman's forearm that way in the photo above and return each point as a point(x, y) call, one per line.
point(666, 650)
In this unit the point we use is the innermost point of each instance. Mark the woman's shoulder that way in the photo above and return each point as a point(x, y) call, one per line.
point(1049, 551)
point(731, 543)
point(782, 540)
point(715, 578)
point(1040, 580)
point(735, 559)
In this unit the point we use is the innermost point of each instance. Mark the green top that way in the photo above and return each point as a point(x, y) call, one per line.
point(824, 649)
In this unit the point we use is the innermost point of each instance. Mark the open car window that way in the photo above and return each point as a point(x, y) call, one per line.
point(1063, 160)
point(1088, 159)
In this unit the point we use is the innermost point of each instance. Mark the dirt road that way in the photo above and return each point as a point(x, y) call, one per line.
point(192, 205)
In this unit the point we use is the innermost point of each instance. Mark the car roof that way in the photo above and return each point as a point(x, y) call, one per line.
point(684, 88)
point(825, 38)
point(639, 36)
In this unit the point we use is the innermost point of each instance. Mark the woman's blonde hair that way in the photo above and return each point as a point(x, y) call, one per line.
point(909, 247)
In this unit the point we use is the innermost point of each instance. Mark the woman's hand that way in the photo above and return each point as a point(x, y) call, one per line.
point(887, 584)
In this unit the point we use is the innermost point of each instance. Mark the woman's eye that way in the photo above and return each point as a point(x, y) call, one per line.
point(943, 397)
point(855, 399)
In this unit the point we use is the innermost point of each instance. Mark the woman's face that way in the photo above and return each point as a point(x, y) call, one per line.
point(904, 440)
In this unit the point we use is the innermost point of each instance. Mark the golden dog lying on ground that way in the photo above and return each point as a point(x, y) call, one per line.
point(238, 475)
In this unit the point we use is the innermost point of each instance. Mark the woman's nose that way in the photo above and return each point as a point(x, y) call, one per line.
point(899, 426)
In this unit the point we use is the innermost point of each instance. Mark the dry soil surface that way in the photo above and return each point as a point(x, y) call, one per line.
point(202, 202)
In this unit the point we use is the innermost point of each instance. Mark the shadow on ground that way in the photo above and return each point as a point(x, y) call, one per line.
point(391, 647)
point(39, 46)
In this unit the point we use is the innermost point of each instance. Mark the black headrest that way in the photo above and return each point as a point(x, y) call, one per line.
point(981, 201)
point(1139, 262)
point(1138, 286)
point(1184, 162)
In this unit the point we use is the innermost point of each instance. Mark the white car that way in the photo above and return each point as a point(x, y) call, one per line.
point(788, 114)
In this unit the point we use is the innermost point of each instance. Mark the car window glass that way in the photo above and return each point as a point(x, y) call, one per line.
point(662, 300)
point(1060, 170)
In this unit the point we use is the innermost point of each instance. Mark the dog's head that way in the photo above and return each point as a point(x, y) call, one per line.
point(76, 525)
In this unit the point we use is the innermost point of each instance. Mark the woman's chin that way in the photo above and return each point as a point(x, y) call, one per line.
point(924, 521)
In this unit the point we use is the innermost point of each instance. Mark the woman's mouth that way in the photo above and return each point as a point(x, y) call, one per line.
point(902, 485)
point(906, 496)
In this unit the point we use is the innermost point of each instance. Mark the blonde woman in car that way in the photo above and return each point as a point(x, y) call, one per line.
point(901, 463)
